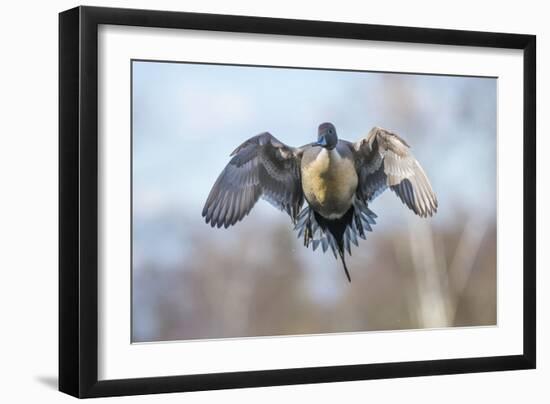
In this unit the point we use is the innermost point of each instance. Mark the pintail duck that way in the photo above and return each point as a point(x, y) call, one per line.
point(338, 179)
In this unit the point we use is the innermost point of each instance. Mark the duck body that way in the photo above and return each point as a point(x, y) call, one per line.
point(329, 180)
point(337, 179)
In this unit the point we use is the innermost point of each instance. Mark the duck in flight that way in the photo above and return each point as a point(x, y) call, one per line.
point(338, 180)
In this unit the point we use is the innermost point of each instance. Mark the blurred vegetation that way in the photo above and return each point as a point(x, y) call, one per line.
point(260, 284)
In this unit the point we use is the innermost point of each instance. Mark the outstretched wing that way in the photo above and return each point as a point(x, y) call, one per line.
point(260, 167)
point(384, 160)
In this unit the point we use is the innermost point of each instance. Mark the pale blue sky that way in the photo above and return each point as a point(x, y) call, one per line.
point(187, 118)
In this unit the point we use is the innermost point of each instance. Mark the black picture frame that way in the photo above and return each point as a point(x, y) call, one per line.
point(78, 201)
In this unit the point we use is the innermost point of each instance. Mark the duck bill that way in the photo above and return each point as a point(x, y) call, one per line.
point(322, 142)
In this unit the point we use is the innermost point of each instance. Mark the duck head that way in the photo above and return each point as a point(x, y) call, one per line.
point(326, 136)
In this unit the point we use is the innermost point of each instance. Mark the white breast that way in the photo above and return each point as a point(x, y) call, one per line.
point(329, 183)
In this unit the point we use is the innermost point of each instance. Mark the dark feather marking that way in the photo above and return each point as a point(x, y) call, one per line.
point(337, 228)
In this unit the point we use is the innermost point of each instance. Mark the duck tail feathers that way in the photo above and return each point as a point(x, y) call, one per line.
point(342, 257)
point(336, 234)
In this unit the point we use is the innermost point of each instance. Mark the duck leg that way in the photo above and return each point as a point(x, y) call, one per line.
point(308, 234)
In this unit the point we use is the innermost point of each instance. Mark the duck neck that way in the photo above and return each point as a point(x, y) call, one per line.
point(332, 154)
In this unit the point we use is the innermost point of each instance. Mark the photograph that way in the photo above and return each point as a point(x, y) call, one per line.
point(275, 201)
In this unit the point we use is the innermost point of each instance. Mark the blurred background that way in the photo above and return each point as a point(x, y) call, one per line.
point(190, 281)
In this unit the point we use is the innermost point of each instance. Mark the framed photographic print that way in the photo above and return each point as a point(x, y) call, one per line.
point(251, 201)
